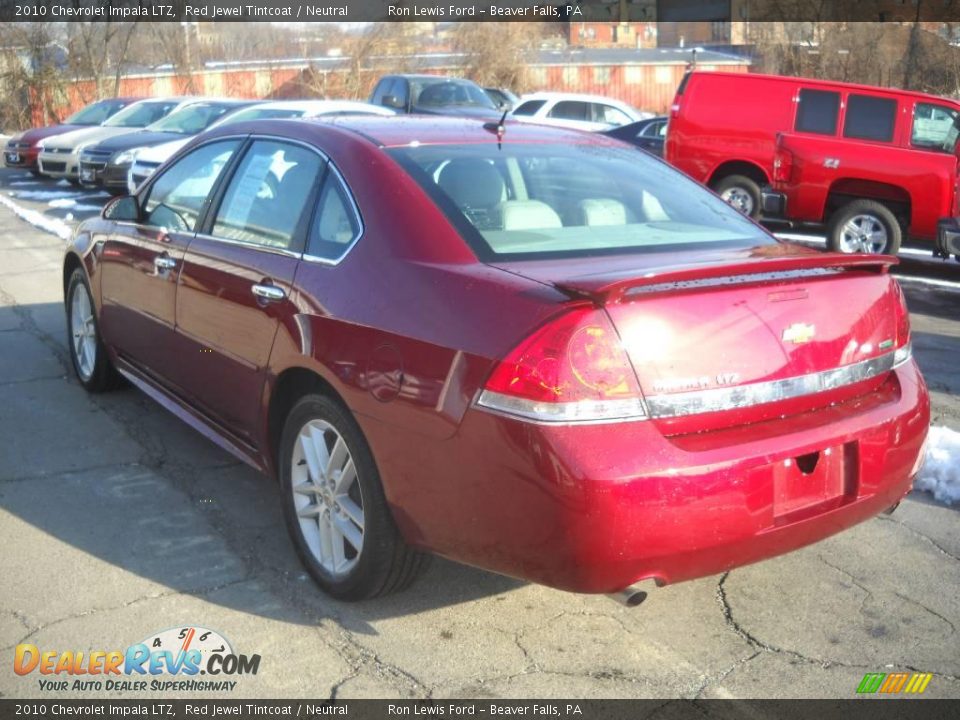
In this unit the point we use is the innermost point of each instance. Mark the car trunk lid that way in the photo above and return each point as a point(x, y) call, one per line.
point(718, 342)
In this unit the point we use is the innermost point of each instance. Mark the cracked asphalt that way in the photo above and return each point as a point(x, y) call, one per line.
point(117, 521)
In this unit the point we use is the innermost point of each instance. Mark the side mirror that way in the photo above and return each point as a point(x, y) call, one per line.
point(123, 208)
point(392, 101)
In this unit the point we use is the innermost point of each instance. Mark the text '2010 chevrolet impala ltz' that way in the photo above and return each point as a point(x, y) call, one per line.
point(524, 348)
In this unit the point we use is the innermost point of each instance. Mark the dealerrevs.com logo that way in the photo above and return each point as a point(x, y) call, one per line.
point(167, 661)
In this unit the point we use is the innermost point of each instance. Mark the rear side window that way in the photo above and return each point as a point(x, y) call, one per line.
point(335, 225)
point(817, 112)
point(610, 115)
point(870, 118)
point(530, 107)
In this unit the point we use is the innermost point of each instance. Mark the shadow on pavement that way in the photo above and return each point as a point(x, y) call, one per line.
point(115, 479)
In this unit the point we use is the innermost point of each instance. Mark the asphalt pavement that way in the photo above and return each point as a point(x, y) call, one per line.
point(117, 521)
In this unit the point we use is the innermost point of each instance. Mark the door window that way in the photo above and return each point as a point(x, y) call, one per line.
point(571, 110)
point(336, 225)
point(934, 127)
point(175, 200)
point(870, 118)
point(266, 200)
point(817, 112)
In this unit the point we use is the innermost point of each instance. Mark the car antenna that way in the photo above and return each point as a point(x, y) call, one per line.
point(499, 128)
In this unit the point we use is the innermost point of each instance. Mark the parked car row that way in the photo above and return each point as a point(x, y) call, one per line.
point(870, 165)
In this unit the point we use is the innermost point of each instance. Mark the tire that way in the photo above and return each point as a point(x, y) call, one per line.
point(739, 192)
point(88, 355)
point(36, 173)
point(75, 182)
point(323, 522)
point(864, 226)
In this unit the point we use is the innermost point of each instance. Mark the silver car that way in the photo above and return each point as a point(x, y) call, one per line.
point(60, 155)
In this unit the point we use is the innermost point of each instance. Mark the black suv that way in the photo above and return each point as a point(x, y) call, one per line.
point(433, 95)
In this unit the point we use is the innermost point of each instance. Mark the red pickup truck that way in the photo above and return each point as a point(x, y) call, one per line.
point(871, 164)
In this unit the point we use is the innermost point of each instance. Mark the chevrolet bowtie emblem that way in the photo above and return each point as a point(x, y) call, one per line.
point(799, 333)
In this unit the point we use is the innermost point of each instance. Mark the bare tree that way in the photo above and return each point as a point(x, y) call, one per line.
point(30, 74)
point(497, 54)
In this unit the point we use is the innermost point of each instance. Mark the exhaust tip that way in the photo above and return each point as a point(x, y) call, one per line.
point(631, 596)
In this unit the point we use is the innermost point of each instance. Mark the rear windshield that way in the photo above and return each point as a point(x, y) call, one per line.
point(531, 201)
point(444, 92)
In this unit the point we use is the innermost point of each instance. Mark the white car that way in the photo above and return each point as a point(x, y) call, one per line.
point(580, 112)
point(59, 155)
point(149, 159)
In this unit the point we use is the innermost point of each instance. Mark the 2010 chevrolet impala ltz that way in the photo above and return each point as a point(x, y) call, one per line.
point(528, 349)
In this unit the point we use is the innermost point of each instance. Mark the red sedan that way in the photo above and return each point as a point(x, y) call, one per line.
point(22, 149)
point(523, 348)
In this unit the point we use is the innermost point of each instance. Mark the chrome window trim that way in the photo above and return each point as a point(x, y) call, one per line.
point(712, 400)
point(246, 244)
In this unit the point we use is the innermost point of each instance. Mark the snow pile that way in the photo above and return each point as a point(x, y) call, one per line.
point(941, 471)
point(39, 220)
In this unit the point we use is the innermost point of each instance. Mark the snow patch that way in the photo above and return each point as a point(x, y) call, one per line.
point(39, 220)
point(940, 474)
point(42, 194)
point(62, 203)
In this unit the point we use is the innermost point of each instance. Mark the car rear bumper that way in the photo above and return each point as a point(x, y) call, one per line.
point(948, 238)
point(595, 508)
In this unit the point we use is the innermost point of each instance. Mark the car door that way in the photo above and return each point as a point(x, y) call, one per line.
point(140, 261)
point(235, 284)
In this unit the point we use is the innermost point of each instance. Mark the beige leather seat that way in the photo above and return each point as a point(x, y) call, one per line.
point(527, 215)
point(602, 211)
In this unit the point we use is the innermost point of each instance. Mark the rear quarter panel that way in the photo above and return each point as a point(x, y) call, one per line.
point(922, 177)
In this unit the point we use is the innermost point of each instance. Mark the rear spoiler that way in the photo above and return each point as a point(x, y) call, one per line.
point(612, 288)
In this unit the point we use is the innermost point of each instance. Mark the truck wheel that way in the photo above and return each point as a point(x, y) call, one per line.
point(740, 192)
point(864, 226)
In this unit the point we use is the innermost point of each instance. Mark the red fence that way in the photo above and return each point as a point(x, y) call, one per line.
point(648, 86)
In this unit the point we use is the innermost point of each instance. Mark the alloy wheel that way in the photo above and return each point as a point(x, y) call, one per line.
point(327, 497)
point(83, 331)
point(863, 234)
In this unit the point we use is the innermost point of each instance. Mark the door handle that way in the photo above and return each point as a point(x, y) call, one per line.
point(268, 292)
point(162, 262)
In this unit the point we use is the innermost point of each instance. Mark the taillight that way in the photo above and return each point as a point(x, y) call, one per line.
point(904, 346)
point(782, 166)
point(573, 369)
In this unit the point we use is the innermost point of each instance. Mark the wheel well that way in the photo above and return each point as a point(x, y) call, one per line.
point(291, 385)
point(845, 191)
point(739, 167)
point(70, 263)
